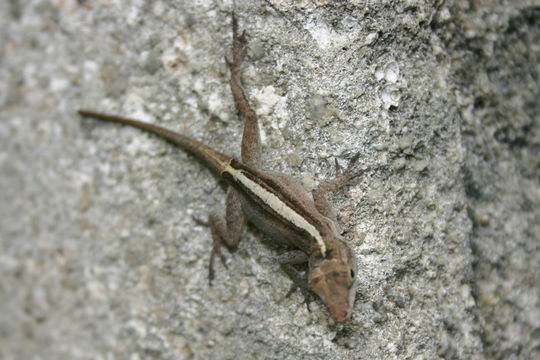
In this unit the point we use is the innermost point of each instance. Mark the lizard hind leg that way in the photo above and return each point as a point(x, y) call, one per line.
point(251, 138)
point(227, 231)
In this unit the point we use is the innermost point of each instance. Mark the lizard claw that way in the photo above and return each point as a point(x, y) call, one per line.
point(228, 62)
point(200, 222)
point(239, 46)
point(350, 166)
point(308, 297)
point(216, 249)
point(348, 177)
point(353, 162)
point(337, 167)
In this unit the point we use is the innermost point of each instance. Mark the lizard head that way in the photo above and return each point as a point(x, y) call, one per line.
point(332, 278)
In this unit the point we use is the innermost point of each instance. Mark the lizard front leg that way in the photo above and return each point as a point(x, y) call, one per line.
point(342, 179)
point(287, 262)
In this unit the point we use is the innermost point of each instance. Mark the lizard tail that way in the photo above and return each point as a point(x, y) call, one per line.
point(208, 156)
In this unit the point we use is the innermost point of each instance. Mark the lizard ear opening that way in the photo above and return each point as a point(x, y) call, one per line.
point(352, 273)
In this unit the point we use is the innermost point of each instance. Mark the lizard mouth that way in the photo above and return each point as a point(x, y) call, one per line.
point(341, 313)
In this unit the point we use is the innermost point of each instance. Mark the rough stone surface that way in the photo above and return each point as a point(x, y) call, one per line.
point(100, 257)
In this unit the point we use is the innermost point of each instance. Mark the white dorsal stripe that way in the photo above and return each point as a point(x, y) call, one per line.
point(277, 205)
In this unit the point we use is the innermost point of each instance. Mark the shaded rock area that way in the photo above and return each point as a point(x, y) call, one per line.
point(100, 256)
point(497, 55)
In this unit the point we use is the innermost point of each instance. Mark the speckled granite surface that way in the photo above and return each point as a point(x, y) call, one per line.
point(100, 258)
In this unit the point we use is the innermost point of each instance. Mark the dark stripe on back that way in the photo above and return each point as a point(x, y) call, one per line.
point(276, 189)
point(263, 206)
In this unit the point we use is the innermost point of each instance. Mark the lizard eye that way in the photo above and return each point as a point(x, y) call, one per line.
point(352, 273)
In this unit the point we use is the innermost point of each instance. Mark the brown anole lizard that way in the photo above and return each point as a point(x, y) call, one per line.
point(274, 203)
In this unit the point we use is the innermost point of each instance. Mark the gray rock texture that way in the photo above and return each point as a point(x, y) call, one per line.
point(100, 257)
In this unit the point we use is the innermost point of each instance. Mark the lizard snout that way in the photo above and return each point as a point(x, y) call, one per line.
point(342, 313)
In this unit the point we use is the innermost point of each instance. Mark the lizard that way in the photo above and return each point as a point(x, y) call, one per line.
point(274, 203)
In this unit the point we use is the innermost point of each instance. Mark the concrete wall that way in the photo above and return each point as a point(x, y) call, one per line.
point(100, 257)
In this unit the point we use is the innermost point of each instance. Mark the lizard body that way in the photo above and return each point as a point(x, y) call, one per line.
point(274, 203)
